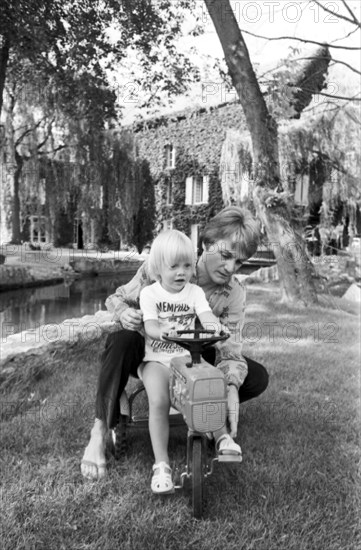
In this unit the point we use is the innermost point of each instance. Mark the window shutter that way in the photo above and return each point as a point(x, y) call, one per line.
point(304, 196)
point(194, 235)
point(298, 189)
point(189, 186)
point(205, 188)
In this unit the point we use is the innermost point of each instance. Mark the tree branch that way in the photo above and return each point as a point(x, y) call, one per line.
point(336, 14)
point(346, 65)
point(28, 131)
point(335, 107)
point(53, 150)
point(354, 98)
point(357, 22)
point(347, 35)
point(47, 135)
point(333, 59)
point(304, 40)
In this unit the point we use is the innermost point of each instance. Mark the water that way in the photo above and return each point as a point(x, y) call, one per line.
point(30, 307)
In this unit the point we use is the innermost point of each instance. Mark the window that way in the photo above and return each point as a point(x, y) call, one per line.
point(301, 189)
point(170, 157)
point(167, 225)
point(37, 229)
point(197, 190)
point(169, 191)
point(42, 191)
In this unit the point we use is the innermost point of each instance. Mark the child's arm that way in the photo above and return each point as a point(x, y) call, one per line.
point(148, 308)
point(152, 329)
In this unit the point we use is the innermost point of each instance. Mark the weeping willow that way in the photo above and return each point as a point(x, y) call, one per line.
point(332, 138)
point(235, 169)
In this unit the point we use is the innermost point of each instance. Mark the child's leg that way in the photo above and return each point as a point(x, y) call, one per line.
point(156, 381)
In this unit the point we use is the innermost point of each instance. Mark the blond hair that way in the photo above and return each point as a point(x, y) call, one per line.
point(167, 249)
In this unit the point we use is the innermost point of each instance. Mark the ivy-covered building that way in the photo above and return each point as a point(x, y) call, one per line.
point(184, 152)
point(187, 161)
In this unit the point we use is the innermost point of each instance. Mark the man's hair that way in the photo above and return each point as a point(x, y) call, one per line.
point(167, 249)
point(235, 223)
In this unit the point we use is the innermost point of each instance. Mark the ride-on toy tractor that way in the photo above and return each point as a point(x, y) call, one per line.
point(198, 392)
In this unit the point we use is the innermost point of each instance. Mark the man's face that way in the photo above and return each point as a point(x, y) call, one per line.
point(221, 260)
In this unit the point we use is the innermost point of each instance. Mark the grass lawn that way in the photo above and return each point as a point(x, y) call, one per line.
point(298, 485)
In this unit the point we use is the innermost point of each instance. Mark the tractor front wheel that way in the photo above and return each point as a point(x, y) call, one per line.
point(197, 477)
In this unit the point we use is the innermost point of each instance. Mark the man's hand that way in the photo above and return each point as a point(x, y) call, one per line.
point(131, 319)
point(233, 409)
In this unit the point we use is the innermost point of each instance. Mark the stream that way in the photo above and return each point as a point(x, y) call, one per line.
point(28, 308)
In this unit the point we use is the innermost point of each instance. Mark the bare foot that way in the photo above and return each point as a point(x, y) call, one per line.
point(93, 464)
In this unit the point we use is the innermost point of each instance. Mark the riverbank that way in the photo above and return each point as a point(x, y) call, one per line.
point(24, 267)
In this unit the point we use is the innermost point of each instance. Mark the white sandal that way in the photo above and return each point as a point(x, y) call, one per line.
point(162, 483)
point(226, 446)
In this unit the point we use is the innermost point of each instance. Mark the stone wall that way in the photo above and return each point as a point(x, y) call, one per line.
point(89, 266)
point(12, 276)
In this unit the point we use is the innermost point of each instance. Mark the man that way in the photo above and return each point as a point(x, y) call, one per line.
point(230, 238)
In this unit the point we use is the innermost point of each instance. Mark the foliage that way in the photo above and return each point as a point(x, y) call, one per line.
point(123, 185)
point(74, 41)
point(156, 68)
point(183, 216)
point(58, 77)
point(291, 86)
point(332, 136)
point(236, 169)
point(144, 218)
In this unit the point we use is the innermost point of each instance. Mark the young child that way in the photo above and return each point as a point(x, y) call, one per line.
point(172, 303)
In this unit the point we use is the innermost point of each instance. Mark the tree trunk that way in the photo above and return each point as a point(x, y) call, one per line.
point(15, 218)
point(4, 58)
point(295, 268)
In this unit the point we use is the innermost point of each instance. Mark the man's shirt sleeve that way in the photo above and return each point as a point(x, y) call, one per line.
point(229, 358)
point(128, 295)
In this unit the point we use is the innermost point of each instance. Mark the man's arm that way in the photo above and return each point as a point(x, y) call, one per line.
point(229, 353)
point(127, 296)
point(152, 329)
point(210, 322)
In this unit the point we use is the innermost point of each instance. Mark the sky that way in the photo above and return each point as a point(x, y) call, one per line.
point(274, 18)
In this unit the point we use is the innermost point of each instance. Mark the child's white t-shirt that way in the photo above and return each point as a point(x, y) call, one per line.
point(173, 312)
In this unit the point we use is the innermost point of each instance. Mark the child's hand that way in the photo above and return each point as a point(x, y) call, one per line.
point(169, 332)
point(215, 326)
point(221, 329)
point(225, 329)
